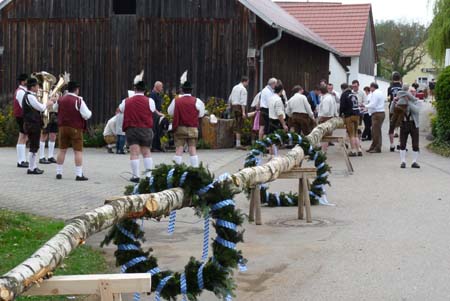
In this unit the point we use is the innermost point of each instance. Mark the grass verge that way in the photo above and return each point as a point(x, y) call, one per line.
point(440, 148)
point(22, 234)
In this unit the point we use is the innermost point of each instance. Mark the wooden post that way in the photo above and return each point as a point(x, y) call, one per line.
point(301, 204)
point(307, 199)
point(251, 213)
point(258, 206)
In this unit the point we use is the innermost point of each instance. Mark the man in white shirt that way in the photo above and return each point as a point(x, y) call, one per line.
point(18, 114)
point(377, 110)
point(276, 111)
point(186, 111)
point(238, 104)
point(301, 116)
point(263, 107)
point(110, 133)
point(32, 110)
point(335, 95)
point(327, 110)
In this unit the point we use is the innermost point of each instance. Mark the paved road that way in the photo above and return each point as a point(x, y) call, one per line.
point(386, 238)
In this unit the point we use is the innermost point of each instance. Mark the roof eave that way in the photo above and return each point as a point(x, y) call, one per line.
point(4, 3)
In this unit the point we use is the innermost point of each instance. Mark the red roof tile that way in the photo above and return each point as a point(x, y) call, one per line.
point(341, 25)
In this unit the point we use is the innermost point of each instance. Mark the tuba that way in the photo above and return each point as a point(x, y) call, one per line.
point(46, 81)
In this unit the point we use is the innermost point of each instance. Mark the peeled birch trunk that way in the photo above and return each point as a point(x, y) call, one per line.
point(43, 262)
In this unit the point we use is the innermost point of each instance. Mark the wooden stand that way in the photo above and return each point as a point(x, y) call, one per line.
point(341, 142)
point(98, 287)
point(303, 175)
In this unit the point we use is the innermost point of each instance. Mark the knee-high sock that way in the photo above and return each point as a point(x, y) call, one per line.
point(178, 159)
point(415, 156)
point(41, 150)
point(79, 171)
point(32, 160)
point(403, 156)
point(51, 149)
point(135, 168)
point(194, 161)
point(21, 149)
point(148, 164)
point(59, 169)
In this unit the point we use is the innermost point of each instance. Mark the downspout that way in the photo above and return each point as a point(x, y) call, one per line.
point(261, 57)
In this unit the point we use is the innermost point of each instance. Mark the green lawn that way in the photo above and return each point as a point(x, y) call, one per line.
point(22, 234)
point(440, 148)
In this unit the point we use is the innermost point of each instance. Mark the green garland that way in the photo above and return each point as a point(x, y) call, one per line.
point(217, 270)
point(280, 138)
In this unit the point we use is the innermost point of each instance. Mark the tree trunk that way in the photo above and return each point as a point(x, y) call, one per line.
point(42, 263)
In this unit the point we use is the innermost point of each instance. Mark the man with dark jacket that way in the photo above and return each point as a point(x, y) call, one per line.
point(350, 110)
point(156, 95)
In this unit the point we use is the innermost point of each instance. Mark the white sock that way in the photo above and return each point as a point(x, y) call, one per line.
point(148, 164)
point(403, 156)
point(178, 159)
point(392, 145)
point(135, 168)
point(238, 143)
point(51, 149)
point(32, 160)
point(23, 151)
point(59, 169)
point(79, 171)
point(41, 150)
point(415, 156)
point(194, 161)
point(19, 153)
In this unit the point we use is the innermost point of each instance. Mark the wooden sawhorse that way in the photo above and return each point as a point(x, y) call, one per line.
point(341, 142)
point(303, 175)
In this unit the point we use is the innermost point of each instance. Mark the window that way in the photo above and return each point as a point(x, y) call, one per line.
point(422, 80)
point(124, 7)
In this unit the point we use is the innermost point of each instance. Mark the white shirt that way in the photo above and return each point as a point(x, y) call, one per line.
point(34, 102)
point(119, 124)
point(110, 128)
point(256, 100)
point(266, 95)
point(83, 109)
point(151, 103)
point(362, 98)
point(238, 95)
point(276, 107)
point(328, 106)
point(376, 102)
point(298, 104)
point(20, 94)
point(199, 105)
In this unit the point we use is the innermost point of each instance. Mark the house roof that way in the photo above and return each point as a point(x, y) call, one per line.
point(341, 25)
point(276, 17)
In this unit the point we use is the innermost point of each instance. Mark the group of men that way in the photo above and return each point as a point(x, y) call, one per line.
point(67, 119)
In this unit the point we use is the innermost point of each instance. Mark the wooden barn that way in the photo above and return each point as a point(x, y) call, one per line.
point(105, 43)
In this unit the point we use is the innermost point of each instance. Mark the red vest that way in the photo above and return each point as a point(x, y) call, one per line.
point(69, 112)
point(137, 113)
point(18, 112)
point(186, 113)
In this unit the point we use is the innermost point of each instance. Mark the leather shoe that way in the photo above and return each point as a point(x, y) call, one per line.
point(44, 161)
point(352, 154)
point(415, 165)
point(23, 165)
point(403, 165)
point(135, 180)
point(82, 178)
point(59, 177)
point(36, 171)
point(374, 151)
point(392, 149)
point(52, 160)
point(360, 154)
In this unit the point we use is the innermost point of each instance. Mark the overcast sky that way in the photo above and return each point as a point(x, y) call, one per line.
point(408, 10)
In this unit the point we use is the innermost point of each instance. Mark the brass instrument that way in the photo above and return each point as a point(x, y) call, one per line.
point(47, 80)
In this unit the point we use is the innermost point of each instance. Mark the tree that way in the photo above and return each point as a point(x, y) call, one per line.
point(402, 46)
point(439, 31)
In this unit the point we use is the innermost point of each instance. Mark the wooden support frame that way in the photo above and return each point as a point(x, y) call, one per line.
point(341, 142)
point(99, 287)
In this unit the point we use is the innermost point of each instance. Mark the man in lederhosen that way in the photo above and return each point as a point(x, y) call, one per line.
point(49, 133)
point(138, 125)
point(186, 110)
point(18, 114)
point(72, 115)
point(238, 105)
point(32, 122)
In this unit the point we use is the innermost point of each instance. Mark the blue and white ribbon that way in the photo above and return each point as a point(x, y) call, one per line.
point(170, 178)
point(261, 143)
point(151, 180)
point(127, 247)
point(226, 224)
point(126, 233)
point(269, 141)
point(279, 138)
point(311, 150)
point(183, 178)
point(183, 286)
point(222, 204)
point(228, 298)
point(136, 189)
point(256, 152)
point(226, 243)
point(132, 263)
point(201, 285)
point(277, 197)
point(172, 220)
point(291, 141)
point(324, 175)
point(205, 250)
point(136, 297)
point(275, 150)
point(154, 271)
point(289, 200)
point(242, 266)
point(160, 287)
point(316, 156)
point(300, 139)
point(322, 165)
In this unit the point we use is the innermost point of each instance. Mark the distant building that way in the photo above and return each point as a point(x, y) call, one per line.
point(347, 27)
point(105, 43)
point(423, 73)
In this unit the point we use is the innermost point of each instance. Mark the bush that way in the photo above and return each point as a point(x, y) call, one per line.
point(442, 92)
point(8, 127)
point(94, 136)
point(216, 106)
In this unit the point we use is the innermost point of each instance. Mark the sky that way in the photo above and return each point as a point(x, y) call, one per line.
point(402, 10)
